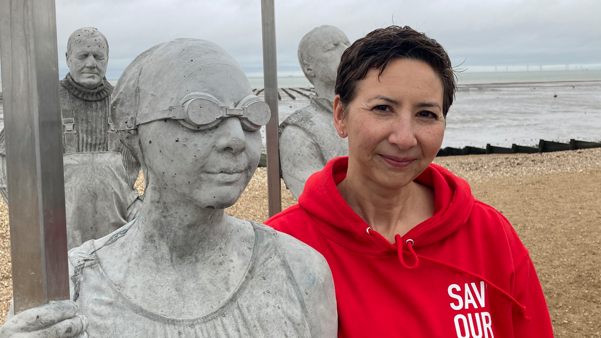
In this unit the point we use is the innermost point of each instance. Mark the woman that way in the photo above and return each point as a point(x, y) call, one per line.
point(411, 251)
point(185, 268)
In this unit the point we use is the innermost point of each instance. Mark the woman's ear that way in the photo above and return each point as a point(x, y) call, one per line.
point(340, 117)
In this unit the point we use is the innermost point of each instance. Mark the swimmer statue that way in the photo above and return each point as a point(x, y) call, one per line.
point(99, 171)
point(185, 268)
point(308, 139)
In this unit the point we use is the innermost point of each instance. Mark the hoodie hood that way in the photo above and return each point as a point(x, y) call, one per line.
point(453, 203)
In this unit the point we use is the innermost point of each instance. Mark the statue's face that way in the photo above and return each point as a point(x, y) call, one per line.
point(87, 62)
point(209, 168)
point(326, 48)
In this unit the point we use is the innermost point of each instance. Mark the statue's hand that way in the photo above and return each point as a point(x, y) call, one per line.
point(55, 320)
point(133, 211)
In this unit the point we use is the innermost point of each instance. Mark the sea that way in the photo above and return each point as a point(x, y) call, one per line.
point(503, 108)
point(472, 78)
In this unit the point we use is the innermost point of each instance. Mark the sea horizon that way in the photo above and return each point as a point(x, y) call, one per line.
point(463, 78)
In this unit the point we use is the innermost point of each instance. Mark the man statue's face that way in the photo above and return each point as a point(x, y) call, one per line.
point(327, 49)
point(87, 62)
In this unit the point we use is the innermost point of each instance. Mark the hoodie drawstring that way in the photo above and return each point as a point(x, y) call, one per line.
point(400, 252)
point(416, 257)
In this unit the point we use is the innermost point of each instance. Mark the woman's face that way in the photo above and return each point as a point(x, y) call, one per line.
point(395, 124)
point(209, 168)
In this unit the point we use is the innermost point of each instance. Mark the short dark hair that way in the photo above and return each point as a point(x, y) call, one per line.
point(383, 45)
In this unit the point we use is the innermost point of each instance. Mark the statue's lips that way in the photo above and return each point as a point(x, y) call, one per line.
point(227, 176)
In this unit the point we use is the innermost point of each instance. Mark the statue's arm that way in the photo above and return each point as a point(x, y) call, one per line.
point(300, 157)
point(55, 320)
point(316, 285)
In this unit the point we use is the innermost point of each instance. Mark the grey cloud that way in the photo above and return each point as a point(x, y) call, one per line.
point(478, 33)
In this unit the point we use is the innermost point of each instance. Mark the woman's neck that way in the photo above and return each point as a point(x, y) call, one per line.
point(387, 211)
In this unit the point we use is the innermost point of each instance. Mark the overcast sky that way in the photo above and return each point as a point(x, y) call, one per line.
point(480, 34)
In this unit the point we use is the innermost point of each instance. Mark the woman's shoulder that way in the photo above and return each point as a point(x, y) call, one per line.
point(490, 216)
point(294, 217)
point(495, 229)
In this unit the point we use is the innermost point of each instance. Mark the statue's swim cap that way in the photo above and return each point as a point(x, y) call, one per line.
point(190, 80)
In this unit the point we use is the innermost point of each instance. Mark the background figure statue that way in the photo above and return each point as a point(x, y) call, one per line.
point(99, 171)
point(185, 268)
point(308, 139)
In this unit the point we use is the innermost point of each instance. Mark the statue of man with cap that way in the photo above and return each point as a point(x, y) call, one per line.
point(99, 171)
point(308, 139)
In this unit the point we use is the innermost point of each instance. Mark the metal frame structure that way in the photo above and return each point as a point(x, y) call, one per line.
point(34, 152)
point(270, 76)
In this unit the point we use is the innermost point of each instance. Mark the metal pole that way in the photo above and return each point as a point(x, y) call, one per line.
point(34, 152)
point(270, 75)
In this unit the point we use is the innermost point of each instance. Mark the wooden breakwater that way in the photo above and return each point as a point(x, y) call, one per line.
point(543, 147)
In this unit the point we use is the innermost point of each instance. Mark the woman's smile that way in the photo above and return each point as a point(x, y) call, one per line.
point(397, 162)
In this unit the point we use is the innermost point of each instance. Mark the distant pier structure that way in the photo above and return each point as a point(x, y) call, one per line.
point(289, 93)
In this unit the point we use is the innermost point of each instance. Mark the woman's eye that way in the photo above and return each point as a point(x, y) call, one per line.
point(382, 108)
point(427, 114)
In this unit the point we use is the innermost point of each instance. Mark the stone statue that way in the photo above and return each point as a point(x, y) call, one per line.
point(185, 268)
point(308, 139)
point(99, 171)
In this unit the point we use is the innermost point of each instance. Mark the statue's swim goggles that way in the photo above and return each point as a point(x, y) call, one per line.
point(201, 111)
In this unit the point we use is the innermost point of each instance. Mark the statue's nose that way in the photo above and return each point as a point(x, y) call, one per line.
point(90, 61)
point(232, 136)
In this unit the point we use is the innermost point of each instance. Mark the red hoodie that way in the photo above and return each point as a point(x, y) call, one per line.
point(466, 274)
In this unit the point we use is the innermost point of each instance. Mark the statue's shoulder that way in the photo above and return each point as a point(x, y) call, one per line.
point(86, 253)
point(82, 254)
point(63, 89)
point(303, 119)
point(300, 117)
point(314, 280)
point(108, 85)
point(308, 266)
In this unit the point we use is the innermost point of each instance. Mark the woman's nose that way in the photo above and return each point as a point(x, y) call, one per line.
point(232, 138)
point(403, 133)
